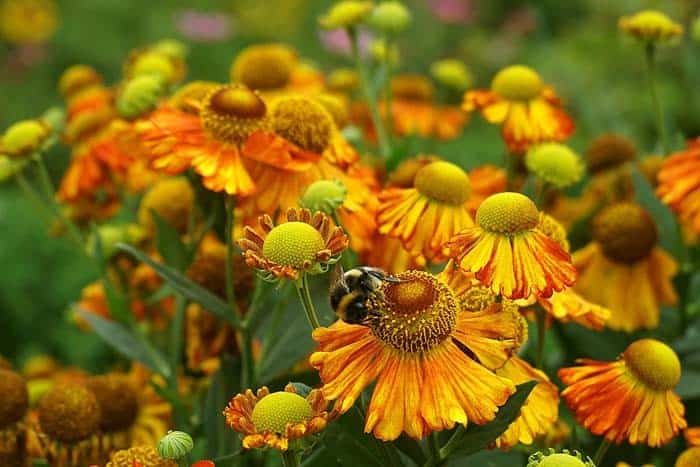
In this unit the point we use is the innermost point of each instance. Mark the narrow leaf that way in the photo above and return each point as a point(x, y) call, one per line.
point(186, 287)
point(127, 343)
point(169, 244)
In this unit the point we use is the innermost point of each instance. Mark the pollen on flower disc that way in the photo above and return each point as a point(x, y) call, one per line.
point(626, 232)
point(561, 460)
point(264, 66)
point(517, 82)
point(444, 182)
point(274, 411)
point(14, 398)
point(232, 113)
point(69, 413)
point(302, 121)
point(414, 315)
point(507, 213)
point(654, 363)
point(293, 244)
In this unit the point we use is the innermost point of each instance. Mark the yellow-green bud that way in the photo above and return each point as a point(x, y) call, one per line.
point(390, 17)
point(345, 14)
point(139, 95)
point(452, 73)
point(175, 445)
point(24, 138)
point(324, 195)
point(172, 48)
point(555, 164)
point(559, 459)
point(695, 29)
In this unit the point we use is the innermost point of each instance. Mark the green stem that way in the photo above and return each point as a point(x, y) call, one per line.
point(290, 459)
point(49, 192)
point(444, 452)
point(229, 206)
point(302, 285)
point(176, 344)
point(387, 87)
point(370, 97)
point(33, 197)
point(247, 362)
point(650, 55)
point(600, 453)
point(541, 335)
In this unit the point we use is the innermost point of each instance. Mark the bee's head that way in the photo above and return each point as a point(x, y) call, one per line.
point(365, 278)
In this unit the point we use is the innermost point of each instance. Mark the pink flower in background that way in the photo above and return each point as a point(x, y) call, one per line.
point(453, 11)
point(204, 26)
point(336, 41)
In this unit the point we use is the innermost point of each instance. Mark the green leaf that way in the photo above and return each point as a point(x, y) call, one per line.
point(186, 287)
point(221, 440)
point(170, 245)
point(478, 437)
point(127, 343)
point(689, 385)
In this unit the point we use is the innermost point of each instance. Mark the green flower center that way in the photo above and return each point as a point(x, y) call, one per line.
point(274, 411)
point(293, 244)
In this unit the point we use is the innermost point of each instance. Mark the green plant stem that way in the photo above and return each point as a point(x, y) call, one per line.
point(290, 459)
point(370, 97)
point(302, 285)
point(229, 206)
point(541, 335)
point(600, 453)
point(33, 197)
point(49, 192)
point(247, 362)
point(177, 328)
point(387, 86)
point(650, 58)
point(444, 452)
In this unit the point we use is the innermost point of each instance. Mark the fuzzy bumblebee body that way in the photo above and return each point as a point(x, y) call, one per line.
point(351, 291)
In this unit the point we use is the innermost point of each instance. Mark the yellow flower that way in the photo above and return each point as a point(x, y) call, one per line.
point(69, 421)
point(28, 21)
point(630, 399)
point(689, 458)
point(528, 110)
point(301, 244)
point(427, 215)
point(559, 459)
point(431, 360)
point(650, 26)
point(555, 164)
point(624, 251)
point(452, 73)
point(264, 67)
point(346, 13)
point(509, 253)
point(279, 420)
point(679, 184)
point(24, 138)
point(77, 78)
point(145, 456)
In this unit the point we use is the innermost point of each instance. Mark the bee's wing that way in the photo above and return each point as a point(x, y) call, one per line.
point(381, 275)
point(337, 275)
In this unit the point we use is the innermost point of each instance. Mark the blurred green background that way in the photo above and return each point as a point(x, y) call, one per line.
point(574, 44)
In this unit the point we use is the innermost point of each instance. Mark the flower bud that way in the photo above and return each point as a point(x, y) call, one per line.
point(345, 14)
point(390, 17)
point(175, 445)
point(452, 74)
point(324, 195)
point(140, 95)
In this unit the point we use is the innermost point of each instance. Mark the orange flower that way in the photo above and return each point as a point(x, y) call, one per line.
point(389, 254)
point(429, 375)
point(692, 436)
point(540, 410)
point(679, 184)
point(624, 251)
point(301, 244)
point(509, 253)
point(276, 419)
point(426, 216)
point(630, 399)
point(528, 110)
point(211, 142)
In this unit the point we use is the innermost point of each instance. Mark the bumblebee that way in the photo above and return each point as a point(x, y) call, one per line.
point(350, 291)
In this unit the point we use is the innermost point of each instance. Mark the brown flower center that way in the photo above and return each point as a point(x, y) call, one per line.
point(626, 232)
point(232, 113)
point(414, 315)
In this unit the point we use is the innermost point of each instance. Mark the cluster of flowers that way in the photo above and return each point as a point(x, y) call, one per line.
point(467, 255)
